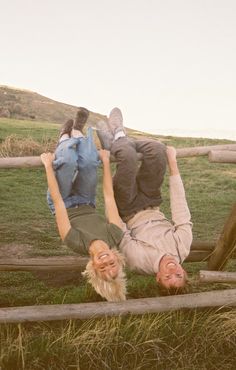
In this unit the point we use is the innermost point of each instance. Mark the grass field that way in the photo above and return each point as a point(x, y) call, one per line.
point(180, 340)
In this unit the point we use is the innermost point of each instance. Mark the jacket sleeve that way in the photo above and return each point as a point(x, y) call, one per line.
point(181, 216)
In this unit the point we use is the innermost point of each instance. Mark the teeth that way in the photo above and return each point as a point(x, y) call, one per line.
point(103, 255)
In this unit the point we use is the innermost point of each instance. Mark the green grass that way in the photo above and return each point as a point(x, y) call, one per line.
point(36, 130)
point(182, 340)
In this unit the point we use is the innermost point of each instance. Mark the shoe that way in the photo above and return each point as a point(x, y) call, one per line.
point(116, 121)
point(81, 119)
point(66, 128)
point(104, 134)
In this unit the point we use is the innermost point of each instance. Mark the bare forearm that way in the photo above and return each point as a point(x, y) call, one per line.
point(107, 180)
point(52, 184)
point(172, 162)
point(173, 167)
point(62, 219)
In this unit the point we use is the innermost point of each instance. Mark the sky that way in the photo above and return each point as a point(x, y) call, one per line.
point(169, 65)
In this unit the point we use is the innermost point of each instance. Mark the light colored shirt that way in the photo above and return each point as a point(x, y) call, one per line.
point(148, 236)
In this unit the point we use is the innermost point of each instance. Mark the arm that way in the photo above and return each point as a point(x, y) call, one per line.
point(62, 219)
point(179, 208)
point(109, 200)
point(172, 161)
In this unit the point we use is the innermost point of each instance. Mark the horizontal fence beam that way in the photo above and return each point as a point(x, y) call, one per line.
point(65, 263)
point(200, 251)
point(203, 150)
point(21, 162)
point(82, 311)
point(217, 277)
point(222, 156)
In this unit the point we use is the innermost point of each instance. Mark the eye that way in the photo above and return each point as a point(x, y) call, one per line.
point(179, 276)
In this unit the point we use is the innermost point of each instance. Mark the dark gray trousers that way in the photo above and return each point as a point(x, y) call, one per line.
point(138, 186)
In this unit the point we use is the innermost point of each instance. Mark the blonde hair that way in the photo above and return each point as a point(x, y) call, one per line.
point(114, 290)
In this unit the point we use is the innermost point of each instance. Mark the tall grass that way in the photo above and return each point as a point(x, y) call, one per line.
point(180, 340)
point(15, 146)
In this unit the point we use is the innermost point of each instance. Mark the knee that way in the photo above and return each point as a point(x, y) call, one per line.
point(124, 150)
point(157, 149)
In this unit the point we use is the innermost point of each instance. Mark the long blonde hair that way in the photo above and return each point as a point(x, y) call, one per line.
point(113, 290)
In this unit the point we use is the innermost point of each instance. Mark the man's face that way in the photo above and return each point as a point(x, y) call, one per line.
point(105, 261)
point(171, 274)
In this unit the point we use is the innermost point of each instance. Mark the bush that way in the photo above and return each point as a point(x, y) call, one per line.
point(4, 112)
point(13, 146)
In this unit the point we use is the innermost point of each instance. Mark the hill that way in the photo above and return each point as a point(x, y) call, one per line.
point(26, 104)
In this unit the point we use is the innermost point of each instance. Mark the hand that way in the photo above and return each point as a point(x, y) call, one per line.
point(171, 153)
point(47, 159)
point(104, 155)
point(172, 162)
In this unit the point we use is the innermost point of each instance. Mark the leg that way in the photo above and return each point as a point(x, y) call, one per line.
point(65, 166)
point(84, 187)
point(124, 181)
point(152, 170)
point(137, 188)
point(76, 171)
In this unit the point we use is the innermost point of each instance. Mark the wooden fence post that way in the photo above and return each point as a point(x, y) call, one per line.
point(225, 245)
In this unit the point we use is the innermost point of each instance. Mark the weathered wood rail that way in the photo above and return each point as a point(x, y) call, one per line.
point(222, 156)
point(83, 311)
point(200, 251)
point(34, 161)
point(217, 277)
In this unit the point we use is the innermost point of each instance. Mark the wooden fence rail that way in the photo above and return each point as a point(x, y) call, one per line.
point(82, 311)
point(217, 277)
point(200, 251)
point(222, 156)
point(20, 162)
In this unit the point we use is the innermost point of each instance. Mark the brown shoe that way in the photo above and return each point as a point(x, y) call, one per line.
point(81, 118)
point(67, 128)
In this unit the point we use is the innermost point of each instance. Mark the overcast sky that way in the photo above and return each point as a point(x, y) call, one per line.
point(166, 63)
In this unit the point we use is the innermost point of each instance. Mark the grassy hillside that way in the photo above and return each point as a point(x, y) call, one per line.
point(200, 340)
point(25, 104)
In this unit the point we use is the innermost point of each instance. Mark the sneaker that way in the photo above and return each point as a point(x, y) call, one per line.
point(66, 128)
point(116, 121)
point(104, 134)
point(81, 119)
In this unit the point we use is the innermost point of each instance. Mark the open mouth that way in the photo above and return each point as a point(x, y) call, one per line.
point(170, 264)
point(103, 255)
